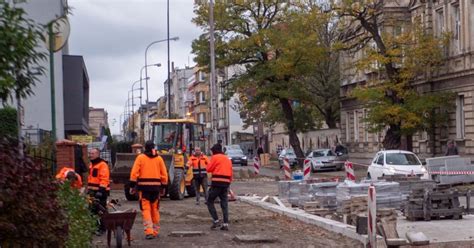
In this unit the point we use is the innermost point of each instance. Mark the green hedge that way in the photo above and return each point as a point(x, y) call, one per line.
point(8, 125)
point(80, 221)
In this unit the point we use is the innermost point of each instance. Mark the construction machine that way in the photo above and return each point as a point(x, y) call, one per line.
point(174, 140)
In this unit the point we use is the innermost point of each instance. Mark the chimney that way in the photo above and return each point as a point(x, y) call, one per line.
point(172, 66)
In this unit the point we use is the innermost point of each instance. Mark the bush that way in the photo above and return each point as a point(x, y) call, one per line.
point(8, 124)
point(30, 214)
point(80, 221)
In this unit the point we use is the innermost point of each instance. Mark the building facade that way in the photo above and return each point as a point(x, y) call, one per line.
point(98, 121)
point(179, 83)
point(455, 17)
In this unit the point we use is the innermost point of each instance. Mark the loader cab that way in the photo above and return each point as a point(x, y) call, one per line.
point(174, 135)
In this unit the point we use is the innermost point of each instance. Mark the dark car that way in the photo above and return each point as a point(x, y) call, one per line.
point(237, 157)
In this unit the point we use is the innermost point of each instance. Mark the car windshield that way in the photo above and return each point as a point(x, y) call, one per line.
point(323, 153)
point(402, 159)
point(290, 152)
point(234, 152)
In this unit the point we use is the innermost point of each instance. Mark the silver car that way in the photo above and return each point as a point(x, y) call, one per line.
point(290, 155)
point(326, 159)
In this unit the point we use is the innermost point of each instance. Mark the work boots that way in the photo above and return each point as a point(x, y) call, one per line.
point(225, 227)
point(216, 224)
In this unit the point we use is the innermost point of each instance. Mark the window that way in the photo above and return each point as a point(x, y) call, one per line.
point(460, 121)
point(202, 118)
point(380, 159)
point(439, 22)
point(201, 76)
point(356, 126)
point(201, 97)
point(456, 29)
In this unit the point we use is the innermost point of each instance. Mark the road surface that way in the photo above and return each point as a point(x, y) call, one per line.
point(244, 220)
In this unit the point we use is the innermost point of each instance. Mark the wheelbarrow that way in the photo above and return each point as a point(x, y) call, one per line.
point(118, 222)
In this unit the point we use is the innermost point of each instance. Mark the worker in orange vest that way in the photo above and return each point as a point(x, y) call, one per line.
point(69, 174)
point(221, 169)
point(98, 182)
point(150, 178)
point(198, 161)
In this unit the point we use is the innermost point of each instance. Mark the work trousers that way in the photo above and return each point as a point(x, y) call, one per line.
point(198, 182)
point(150, 212)
point(99, 208)
point(220, 192)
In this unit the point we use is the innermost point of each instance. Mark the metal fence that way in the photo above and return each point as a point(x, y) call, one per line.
point(43, 157)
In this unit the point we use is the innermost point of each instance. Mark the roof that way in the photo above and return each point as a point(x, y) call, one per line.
point(396, 151)
point(173, 121)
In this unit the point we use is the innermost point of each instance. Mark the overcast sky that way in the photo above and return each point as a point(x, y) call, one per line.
point(112, 36)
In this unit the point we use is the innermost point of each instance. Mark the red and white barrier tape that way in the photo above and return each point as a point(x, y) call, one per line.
point(451, 172)
point(286, 168)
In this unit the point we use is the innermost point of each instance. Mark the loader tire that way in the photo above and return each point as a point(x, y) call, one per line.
point(130, 197)
point(177, 188)
point(191, 189)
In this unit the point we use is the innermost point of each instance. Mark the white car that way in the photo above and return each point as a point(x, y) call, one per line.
point(395, 162)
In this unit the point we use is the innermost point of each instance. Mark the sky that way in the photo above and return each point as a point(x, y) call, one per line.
point(112, 36)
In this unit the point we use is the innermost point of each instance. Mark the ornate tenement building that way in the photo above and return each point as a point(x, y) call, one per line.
point(455, 17)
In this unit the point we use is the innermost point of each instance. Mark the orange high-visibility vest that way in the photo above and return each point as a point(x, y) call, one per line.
point(148, 173)
point(221, 169)
point(99, 175)
point(199, 164)
point(62, 176)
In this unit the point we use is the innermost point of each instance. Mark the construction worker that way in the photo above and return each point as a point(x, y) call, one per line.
point(221, 169)
point(98, 183)
point(149, 177)
point(198, 161)
point(69, 174)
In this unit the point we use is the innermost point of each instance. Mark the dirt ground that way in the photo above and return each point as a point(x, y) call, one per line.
point(244, 220)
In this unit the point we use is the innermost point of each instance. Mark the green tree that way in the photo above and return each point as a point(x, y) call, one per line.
point(399, 52)
point(19, 56)
point(278, 46)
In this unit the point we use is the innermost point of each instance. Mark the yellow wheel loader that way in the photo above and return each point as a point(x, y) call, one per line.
point(174, 140)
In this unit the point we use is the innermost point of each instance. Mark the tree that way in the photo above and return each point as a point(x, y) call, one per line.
point(19, 57)
point(398, 52)
point(277, 44)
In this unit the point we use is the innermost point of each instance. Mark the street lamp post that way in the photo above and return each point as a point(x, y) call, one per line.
point(146, 63)
point(141, 77)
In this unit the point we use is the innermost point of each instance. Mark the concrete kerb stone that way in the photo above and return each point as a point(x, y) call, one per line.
point(330, 225)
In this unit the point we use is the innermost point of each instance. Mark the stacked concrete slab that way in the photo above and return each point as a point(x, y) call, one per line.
point(388, 193)
point(300, 192)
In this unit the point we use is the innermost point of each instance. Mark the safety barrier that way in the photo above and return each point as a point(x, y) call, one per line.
point(256, 165)
point(372, 217)
point(350, 175)
point(307, 169)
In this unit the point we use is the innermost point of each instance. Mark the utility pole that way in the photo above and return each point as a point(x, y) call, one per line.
point(168, 42)
point(213, 74)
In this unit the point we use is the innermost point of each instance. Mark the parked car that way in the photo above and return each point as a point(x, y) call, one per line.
point(290, 155)
point(395, 162)
point(237, 157)
point(325, 159)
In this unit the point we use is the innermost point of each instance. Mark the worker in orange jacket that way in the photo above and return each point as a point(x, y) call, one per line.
point(198, 161)
point(69, 174)
point(149, 177)
point(98, 182)
point(221, 169)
